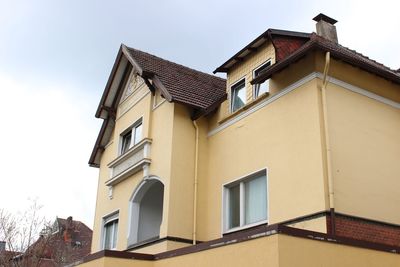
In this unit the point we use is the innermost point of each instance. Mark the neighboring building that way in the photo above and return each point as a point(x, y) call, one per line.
point(66, 243)
point(291, 161)
point(6, 256)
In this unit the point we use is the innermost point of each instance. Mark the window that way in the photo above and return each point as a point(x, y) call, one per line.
point(261, 88)
point(238, 95)
point(131, 137)
point(110, 231)
point(245, 201)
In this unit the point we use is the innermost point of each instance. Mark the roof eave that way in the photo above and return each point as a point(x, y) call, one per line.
point(109, 82)
point(312, 45)
point(208, 110)
point(253, 46)
point(104, 134)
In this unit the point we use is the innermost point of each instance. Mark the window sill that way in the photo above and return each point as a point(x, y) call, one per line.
point(245, 227)
point(245, 107)
point(145, 243)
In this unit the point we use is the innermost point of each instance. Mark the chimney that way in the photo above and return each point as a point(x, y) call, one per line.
point(2, 246)
point(325, 27)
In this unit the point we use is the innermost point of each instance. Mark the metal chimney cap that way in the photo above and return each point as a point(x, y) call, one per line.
point(325, 18)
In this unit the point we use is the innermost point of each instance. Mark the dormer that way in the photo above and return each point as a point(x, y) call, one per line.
point(247, 64)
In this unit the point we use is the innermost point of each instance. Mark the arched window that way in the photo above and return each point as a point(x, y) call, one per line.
point(146, 211)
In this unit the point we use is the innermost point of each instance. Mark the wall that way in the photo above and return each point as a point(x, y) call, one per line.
point(305, 252)
point(362, 229)
point(365, 153)
point(276, 250)
point(157, 125)
point(318, 224)
point(285, 138)
point(182, 174)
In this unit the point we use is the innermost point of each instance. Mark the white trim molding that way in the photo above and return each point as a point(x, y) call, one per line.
point(134, 206)
point(130, 162)
point(294, 86)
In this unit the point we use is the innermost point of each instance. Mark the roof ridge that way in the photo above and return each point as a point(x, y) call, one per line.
point(177, 64)
point(316, 36)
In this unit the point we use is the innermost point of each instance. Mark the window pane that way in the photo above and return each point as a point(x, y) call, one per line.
point(255, 199)
point(138, 133)
point(238, 96)
point(110, 232)
point(107, 238)
point(260, 89)
point(126, 142)
point(234, 206)
point(115, 233)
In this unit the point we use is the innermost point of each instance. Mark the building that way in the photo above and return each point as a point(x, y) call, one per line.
point(6, 255)
point(65, 243)
point(290, 161)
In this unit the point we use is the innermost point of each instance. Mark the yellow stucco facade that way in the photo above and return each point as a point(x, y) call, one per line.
point(282, 134)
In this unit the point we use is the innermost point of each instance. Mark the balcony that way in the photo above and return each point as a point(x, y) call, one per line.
point(131, 162)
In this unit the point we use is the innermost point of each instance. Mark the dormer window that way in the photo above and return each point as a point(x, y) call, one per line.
point(238, 95)
point(261, 88)
point(131, 137)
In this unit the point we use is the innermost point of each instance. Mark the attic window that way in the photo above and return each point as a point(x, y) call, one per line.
point(261, 88)
point(238, 95)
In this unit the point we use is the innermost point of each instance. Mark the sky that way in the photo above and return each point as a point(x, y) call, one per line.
point(56, 57)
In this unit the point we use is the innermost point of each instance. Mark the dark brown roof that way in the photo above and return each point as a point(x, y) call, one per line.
point(269, 34)
point(337, 51)
point(201, 91)
point(185, 85)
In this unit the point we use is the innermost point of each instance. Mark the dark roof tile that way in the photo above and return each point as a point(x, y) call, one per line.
point(337, 51)
point(185, 85)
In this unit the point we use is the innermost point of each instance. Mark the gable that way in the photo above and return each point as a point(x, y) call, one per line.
point(134, 70)
point(133, 83)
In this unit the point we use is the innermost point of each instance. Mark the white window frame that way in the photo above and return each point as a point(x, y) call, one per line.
point(225, 212)
point(132, 130)
point(235, 84)
point(114, 216)
point(255, 96)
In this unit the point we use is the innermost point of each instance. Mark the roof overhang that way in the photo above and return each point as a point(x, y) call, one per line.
point(255, 44)
point(316, 45)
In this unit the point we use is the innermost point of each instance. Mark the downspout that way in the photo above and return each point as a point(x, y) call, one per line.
point(195, 183)
point(328, 145)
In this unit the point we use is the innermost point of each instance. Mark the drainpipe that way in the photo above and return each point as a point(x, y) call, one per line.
point(195, 183)
point(327, 144)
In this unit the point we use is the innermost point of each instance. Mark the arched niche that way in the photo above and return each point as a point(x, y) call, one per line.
point(146, 209)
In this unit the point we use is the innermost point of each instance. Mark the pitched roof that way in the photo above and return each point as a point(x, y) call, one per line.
point(176, 82)
point(201, 91)
point(185, 85)
point(71, 235)
point(270, 34)
point(337, 51)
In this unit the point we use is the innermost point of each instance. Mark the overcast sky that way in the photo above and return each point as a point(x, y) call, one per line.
point(56, 56)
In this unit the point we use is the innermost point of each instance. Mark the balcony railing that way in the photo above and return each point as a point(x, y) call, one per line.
point(131, 162)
